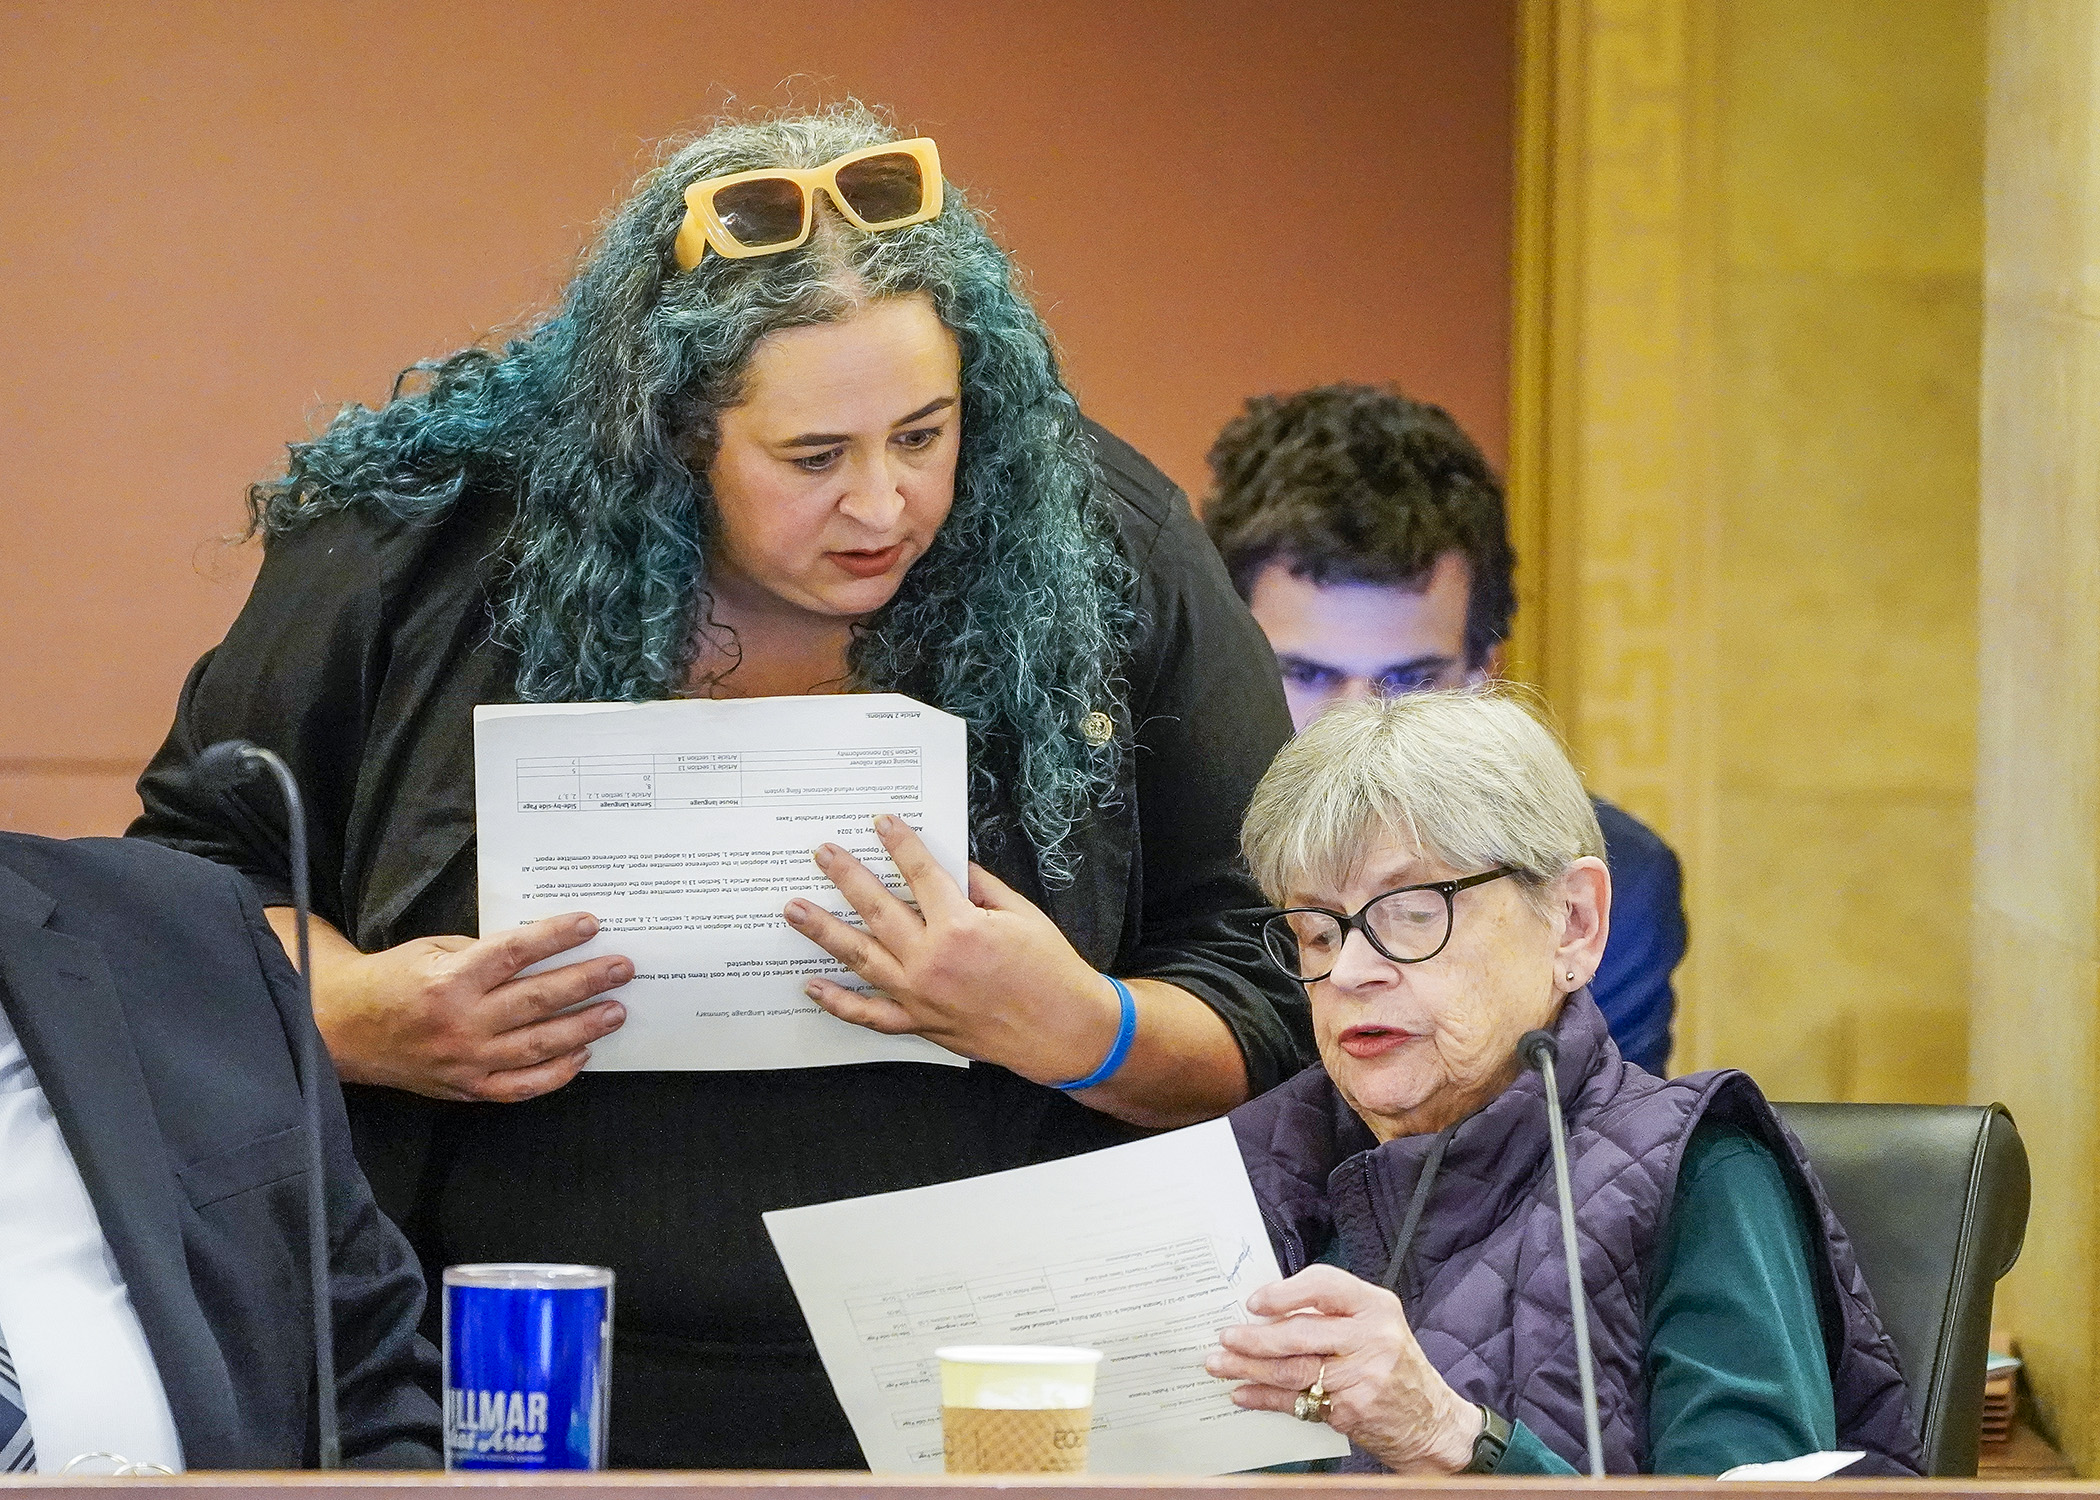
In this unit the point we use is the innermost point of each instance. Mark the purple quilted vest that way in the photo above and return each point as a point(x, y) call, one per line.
point(1485, 1284)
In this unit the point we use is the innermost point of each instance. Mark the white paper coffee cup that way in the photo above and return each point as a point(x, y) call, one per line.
point(1016, 1408)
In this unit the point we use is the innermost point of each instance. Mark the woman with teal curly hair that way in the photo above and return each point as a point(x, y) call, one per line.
point(778, 440)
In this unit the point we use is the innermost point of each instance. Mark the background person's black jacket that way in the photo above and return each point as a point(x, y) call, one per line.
point(157, 1009)
point(359, 658)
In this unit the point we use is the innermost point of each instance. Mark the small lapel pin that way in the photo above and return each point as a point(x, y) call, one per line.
point(1098, 728)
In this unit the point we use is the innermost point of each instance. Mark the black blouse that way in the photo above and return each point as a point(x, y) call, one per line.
point(359, 657)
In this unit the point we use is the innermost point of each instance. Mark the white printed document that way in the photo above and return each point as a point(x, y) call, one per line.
point(685, 827)
point(1142, 1251)
point(1809, 1466)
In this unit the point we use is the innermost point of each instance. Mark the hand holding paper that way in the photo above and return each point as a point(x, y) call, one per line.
point(1353, 1339)
point(1142, 1251)
point(986, 974)
point(685, 827)
point(456, 1017)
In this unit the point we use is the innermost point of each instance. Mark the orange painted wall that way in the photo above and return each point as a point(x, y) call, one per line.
point(218, 221)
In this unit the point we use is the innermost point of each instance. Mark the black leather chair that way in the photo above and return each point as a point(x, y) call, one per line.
point(1935, 1200)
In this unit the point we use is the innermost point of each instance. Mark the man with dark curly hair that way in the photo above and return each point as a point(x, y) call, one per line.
point(1368, 536)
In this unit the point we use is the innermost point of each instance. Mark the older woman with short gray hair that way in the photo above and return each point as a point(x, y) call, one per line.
point(1442, 892)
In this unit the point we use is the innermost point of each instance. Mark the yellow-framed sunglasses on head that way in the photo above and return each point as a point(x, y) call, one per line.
point(775, 208)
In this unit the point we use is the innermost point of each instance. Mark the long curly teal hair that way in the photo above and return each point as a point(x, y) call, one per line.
point(602, 420)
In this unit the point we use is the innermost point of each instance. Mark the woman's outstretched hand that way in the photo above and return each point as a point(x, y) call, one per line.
point(985, 974)
point(1353, 1338)
point(453, 1018)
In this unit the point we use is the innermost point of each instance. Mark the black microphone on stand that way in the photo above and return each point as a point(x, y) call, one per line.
point(221, 768)
point(1540, 1051)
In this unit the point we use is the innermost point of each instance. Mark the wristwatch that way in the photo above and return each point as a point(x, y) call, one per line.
point(1489, 1447)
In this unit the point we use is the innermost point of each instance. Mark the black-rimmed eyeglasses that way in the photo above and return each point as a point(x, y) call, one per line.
point(1407, 926)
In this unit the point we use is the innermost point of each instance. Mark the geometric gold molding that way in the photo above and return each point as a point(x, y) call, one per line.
point(1610, 482)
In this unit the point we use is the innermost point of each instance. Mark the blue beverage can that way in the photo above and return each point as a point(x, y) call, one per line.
point(528, 1366)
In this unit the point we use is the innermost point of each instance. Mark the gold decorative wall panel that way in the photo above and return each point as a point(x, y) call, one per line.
point(2037, 913)
point(1608, 469)
point(1743, 476)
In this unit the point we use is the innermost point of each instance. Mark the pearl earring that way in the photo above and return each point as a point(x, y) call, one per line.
point(1571, 976)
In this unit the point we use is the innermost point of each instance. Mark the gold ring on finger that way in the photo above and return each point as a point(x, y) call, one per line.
point(1313, 1403)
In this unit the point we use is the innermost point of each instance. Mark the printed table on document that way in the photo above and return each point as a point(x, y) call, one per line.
point(684, 780)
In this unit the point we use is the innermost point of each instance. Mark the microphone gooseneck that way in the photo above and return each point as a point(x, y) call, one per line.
point(220, 768)
point(1539, 1050)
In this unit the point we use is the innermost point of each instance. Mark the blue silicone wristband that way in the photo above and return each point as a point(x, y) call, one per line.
point(1126, 1033)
